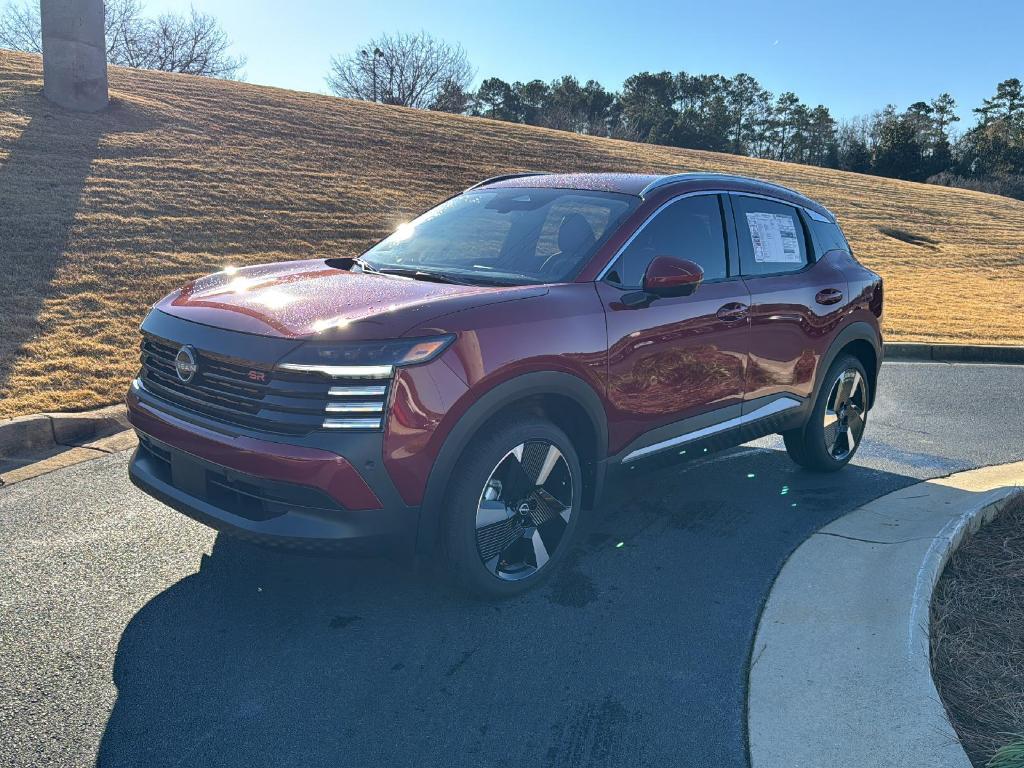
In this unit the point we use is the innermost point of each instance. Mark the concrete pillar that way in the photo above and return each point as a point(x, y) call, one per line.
point(74, 54)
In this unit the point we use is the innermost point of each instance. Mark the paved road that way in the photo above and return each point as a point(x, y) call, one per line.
point(132, 636)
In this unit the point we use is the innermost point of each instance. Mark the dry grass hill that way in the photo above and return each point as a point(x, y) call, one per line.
point(102, 214)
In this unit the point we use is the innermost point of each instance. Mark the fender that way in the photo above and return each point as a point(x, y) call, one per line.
point(488, 405)
point(855, 331)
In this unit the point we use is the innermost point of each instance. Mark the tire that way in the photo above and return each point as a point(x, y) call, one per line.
point(502, 532)
point(841, 408)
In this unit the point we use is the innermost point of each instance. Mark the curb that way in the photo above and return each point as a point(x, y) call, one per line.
point(23, 436)
point(954, 353)
point(841, 666)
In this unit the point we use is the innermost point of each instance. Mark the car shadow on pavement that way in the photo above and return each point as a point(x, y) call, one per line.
point(636, 653)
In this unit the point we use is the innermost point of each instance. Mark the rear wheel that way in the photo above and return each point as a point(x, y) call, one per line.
point(512, 507)
point(835, 427)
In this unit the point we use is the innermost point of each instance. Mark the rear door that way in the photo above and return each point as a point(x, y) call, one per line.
point(795, 302)
point(676, 359)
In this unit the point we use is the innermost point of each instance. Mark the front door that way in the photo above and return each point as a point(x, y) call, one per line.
point(675, 364)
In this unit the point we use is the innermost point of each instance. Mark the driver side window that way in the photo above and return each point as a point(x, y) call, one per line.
point(691, 228)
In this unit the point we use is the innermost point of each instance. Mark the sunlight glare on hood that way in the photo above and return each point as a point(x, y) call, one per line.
point(323, 325)
point(274, 299)
point(243, 284)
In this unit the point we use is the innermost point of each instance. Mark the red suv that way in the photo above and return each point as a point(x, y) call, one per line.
point(470, 381)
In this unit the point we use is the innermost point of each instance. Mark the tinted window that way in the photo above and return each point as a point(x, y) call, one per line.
point(507, 235)
point(690, 228)
point(771, 236)
point(829, 237)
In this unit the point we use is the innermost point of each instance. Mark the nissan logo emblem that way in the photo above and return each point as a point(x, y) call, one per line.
point(185, 364)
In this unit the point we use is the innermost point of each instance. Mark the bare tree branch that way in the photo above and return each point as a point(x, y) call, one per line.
point(410, 70)
point(194, 44)
point(20, 28)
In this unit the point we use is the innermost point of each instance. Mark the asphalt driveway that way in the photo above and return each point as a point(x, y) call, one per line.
point(130, 635)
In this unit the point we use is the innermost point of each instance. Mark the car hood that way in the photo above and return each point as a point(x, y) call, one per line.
point(302, 299)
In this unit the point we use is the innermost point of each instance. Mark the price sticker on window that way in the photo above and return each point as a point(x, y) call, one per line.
point(774, 238)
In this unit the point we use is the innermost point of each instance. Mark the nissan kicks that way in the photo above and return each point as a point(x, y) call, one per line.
point(469, 383)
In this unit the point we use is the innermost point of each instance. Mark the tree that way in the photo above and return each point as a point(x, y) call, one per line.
point(598, 103)
point(20, 28)
point(1007, 103)
point(453, 98)
point(744, 95)
point(572, 107)
point(496, 99)
point(786, 124)
point(409, 70)
point(944, 115)
point(898, 153)
point(821, 142)
point(647, 111)
point(532, 98)
point(193, 44)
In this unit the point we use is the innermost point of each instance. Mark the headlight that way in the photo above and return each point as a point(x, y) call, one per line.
point(363, 359)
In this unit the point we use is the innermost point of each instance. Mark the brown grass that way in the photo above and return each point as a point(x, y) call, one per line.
point(100, 215)
point(978, 635)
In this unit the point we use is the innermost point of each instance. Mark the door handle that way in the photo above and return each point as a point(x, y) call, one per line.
point(829, 296)
point(732, 312)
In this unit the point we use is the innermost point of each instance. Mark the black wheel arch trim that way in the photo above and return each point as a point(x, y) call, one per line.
point(489, 405)
point(855, 331)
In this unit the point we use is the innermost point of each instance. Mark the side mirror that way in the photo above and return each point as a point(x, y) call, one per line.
point(669, 276)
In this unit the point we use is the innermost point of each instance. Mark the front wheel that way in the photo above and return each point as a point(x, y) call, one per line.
point(834, 430)
point(512, 507)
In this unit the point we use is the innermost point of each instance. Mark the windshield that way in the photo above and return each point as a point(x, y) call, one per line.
point(506, 236)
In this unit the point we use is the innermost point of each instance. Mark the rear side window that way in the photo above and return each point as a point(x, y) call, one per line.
point(829, 237)
point(771, 237)
point(690, 228)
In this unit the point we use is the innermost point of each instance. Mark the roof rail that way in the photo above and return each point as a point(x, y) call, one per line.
point(505, 177)
point(671, 179)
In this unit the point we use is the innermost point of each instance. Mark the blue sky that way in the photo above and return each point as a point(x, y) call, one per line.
point(853, 57)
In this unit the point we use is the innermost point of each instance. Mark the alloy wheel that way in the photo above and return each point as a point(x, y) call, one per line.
point(845, 414)
point(524, 510)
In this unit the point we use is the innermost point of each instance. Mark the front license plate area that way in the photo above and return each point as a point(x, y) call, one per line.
point(187, 475)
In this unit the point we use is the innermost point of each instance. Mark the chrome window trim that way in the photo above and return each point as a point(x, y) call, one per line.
point(697, 193)
point(648, 220)
point(772, 408)
point(680, 177)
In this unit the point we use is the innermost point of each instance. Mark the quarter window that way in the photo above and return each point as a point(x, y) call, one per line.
point(690, 228)
point(829, 237)
point(771, 237)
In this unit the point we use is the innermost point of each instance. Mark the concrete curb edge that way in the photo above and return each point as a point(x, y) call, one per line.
point(954, 353)
point(39, 432)
point(841, 667)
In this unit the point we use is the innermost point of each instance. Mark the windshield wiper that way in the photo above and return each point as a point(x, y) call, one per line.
point(421, 274)
point(366, 266)
point(347, 262)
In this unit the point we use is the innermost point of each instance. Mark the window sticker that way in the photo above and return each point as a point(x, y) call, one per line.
point(774, 238)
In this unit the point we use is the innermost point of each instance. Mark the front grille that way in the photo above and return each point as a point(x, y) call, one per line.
point(259, 397)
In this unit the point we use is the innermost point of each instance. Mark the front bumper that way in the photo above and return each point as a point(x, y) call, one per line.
point(270, 492)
